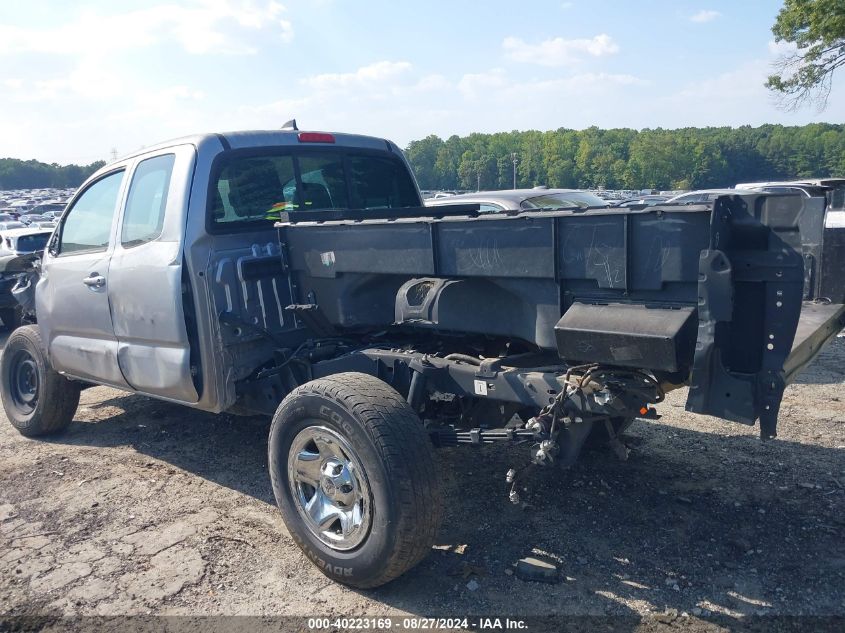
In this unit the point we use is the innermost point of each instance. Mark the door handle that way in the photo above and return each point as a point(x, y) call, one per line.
point(94, 281)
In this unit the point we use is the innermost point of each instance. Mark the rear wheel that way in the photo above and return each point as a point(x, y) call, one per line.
point(37, 400)
point(353, 475)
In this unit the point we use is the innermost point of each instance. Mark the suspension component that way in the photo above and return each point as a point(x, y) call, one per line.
point(449, 437)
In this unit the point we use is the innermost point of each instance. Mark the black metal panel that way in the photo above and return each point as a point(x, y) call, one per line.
point(750, 289)
point(832, 282)
point(594, 248)
point(811, 229)
point(391, 249)
point(664, 248)
point(328, 215)
point(629, 335)
point(497, 249)
point(526, 309)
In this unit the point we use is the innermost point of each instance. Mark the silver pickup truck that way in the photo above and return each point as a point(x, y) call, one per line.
point(297, 275)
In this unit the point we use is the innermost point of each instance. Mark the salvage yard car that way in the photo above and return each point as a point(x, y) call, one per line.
point(23, 240)
point(538, 198)
point(298, 275)
point(19, 248)
point(700, 196)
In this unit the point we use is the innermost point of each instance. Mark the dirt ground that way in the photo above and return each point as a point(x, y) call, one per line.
point(146, 507)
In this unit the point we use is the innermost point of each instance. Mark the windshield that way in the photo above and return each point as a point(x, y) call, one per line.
point(564, 200)
point(32, 243)
point(255, 190)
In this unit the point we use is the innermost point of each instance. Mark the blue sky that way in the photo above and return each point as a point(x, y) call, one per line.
point(79, 79)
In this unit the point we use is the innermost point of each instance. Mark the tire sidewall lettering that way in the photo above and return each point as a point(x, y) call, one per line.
point(314, 408)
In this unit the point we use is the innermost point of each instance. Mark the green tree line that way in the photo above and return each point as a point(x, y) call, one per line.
point(688, 158)
point(32, 174)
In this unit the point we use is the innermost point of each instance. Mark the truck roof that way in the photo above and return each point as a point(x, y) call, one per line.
point(266, 138)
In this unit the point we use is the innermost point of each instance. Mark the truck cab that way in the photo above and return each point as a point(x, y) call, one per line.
point(155, 247)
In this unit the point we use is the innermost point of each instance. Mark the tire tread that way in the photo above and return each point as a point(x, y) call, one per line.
point(407, 454)
point(58, 397)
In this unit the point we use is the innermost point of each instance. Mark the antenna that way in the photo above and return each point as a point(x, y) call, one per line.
point(290, 125)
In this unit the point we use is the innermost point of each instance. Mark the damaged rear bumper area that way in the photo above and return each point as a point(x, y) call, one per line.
point(750, 332)
point(714, 297)
point(755, 332)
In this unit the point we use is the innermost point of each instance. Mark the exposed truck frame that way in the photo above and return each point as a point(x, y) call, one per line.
point(366, 330)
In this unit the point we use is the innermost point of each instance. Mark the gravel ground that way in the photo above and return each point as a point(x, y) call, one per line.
point(146, 507)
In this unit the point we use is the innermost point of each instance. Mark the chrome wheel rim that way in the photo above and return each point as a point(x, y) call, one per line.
point(329, 488)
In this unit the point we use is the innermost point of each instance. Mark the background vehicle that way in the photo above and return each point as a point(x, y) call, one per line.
point(54, 208)
point(539, 198)
point(22, 241)
point(19, 248)
point(647, 201)
point(297, 274)
point(825, 263)
point(704, 196)
point(834, 186)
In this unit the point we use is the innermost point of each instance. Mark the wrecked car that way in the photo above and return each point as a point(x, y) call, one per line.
point(298, 275)
point(20, 251)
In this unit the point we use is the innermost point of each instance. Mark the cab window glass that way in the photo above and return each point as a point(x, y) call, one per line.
point(145, 204)
point(323, 182)
point(253, 189)
point(380, 183)
point(87, 225)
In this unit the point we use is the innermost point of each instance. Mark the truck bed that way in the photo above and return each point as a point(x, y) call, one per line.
point(709, 296)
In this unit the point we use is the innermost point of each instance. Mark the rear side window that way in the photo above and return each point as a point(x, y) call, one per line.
point(144, 215)
point(87, 225)
point(252, 191)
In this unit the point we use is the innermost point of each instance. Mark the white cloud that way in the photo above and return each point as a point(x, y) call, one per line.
point(200, 26)
point(781, 48)
point(487, 84)
point(431, 83)
point(567, 5)
point(373, 74)
point(558, 51)
point(705, 15)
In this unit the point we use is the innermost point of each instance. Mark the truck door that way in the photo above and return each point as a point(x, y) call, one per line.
point(146, 288)
point(72, 300)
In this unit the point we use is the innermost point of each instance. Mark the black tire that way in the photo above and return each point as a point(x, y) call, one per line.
point(598, 436)
point(389, 440)
point(37, 400)
point(11, 317)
